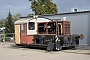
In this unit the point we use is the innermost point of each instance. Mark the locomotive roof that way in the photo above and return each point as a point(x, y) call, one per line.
point(32, 17)
point(25, 20)
point(38, 19)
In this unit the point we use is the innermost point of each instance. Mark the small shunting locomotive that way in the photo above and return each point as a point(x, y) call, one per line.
point(47, 33)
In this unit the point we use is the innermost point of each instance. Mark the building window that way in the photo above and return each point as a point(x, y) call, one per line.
point(22, 27)
point(31, 26)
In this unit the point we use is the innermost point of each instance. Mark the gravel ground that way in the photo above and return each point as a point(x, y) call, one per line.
point(9, 51)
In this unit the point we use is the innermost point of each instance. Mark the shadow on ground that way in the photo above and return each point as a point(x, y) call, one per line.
point(79, 50)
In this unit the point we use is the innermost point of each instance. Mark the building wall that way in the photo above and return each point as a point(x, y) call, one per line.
point(88, 30)
point(79, 24)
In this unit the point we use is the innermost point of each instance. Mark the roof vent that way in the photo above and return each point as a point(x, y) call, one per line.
point(84, 10)
point(36, 16)
point(74, 10)
point(64, 18)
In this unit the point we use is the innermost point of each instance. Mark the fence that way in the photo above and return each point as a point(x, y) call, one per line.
point(7, 37)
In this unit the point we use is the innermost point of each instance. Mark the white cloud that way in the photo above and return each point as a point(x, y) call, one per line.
point(15, 6)
point(9, 6)
point(66, 6)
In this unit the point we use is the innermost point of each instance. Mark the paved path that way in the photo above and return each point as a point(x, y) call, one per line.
point(9, 51)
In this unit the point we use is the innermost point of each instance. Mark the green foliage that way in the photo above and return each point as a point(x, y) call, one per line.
point(2, 21)
point(41, 7)
point(9, 24)
point(0, 24)
point(16, 17)
point(30, 14)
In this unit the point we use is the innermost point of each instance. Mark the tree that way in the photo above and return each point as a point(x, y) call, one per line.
point(0, 24)
point(16, 17)
point(9, 24)
point(30, 14)
point(40, 7)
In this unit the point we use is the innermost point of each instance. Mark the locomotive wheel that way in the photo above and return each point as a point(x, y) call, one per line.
point(58, 49)
point(74, 48)
point(18, 44)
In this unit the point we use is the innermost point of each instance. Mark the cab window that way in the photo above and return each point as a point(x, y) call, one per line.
point(22, 27)
point(31, 25)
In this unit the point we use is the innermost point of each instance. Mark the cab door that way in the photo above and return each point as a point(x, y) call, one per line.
point(23, 33)
point(17, 34)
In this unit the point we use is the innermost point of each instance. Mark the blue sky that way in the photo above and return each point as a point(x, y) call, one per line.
point(23, 6)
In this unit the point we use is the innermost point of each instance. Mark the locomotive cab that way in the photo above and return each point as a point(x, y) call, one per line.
point(32, 25)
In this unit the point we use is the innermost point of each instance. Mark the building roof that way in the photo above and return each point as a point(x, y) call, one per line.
point(57, 14)
point(68, 13)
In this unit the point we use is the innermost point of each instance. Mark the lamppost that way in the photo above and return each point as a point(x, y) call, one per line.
point(3, 31)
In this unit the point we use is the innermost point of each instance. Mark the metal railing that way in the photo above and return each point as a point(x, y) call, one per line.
point(7, 37)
